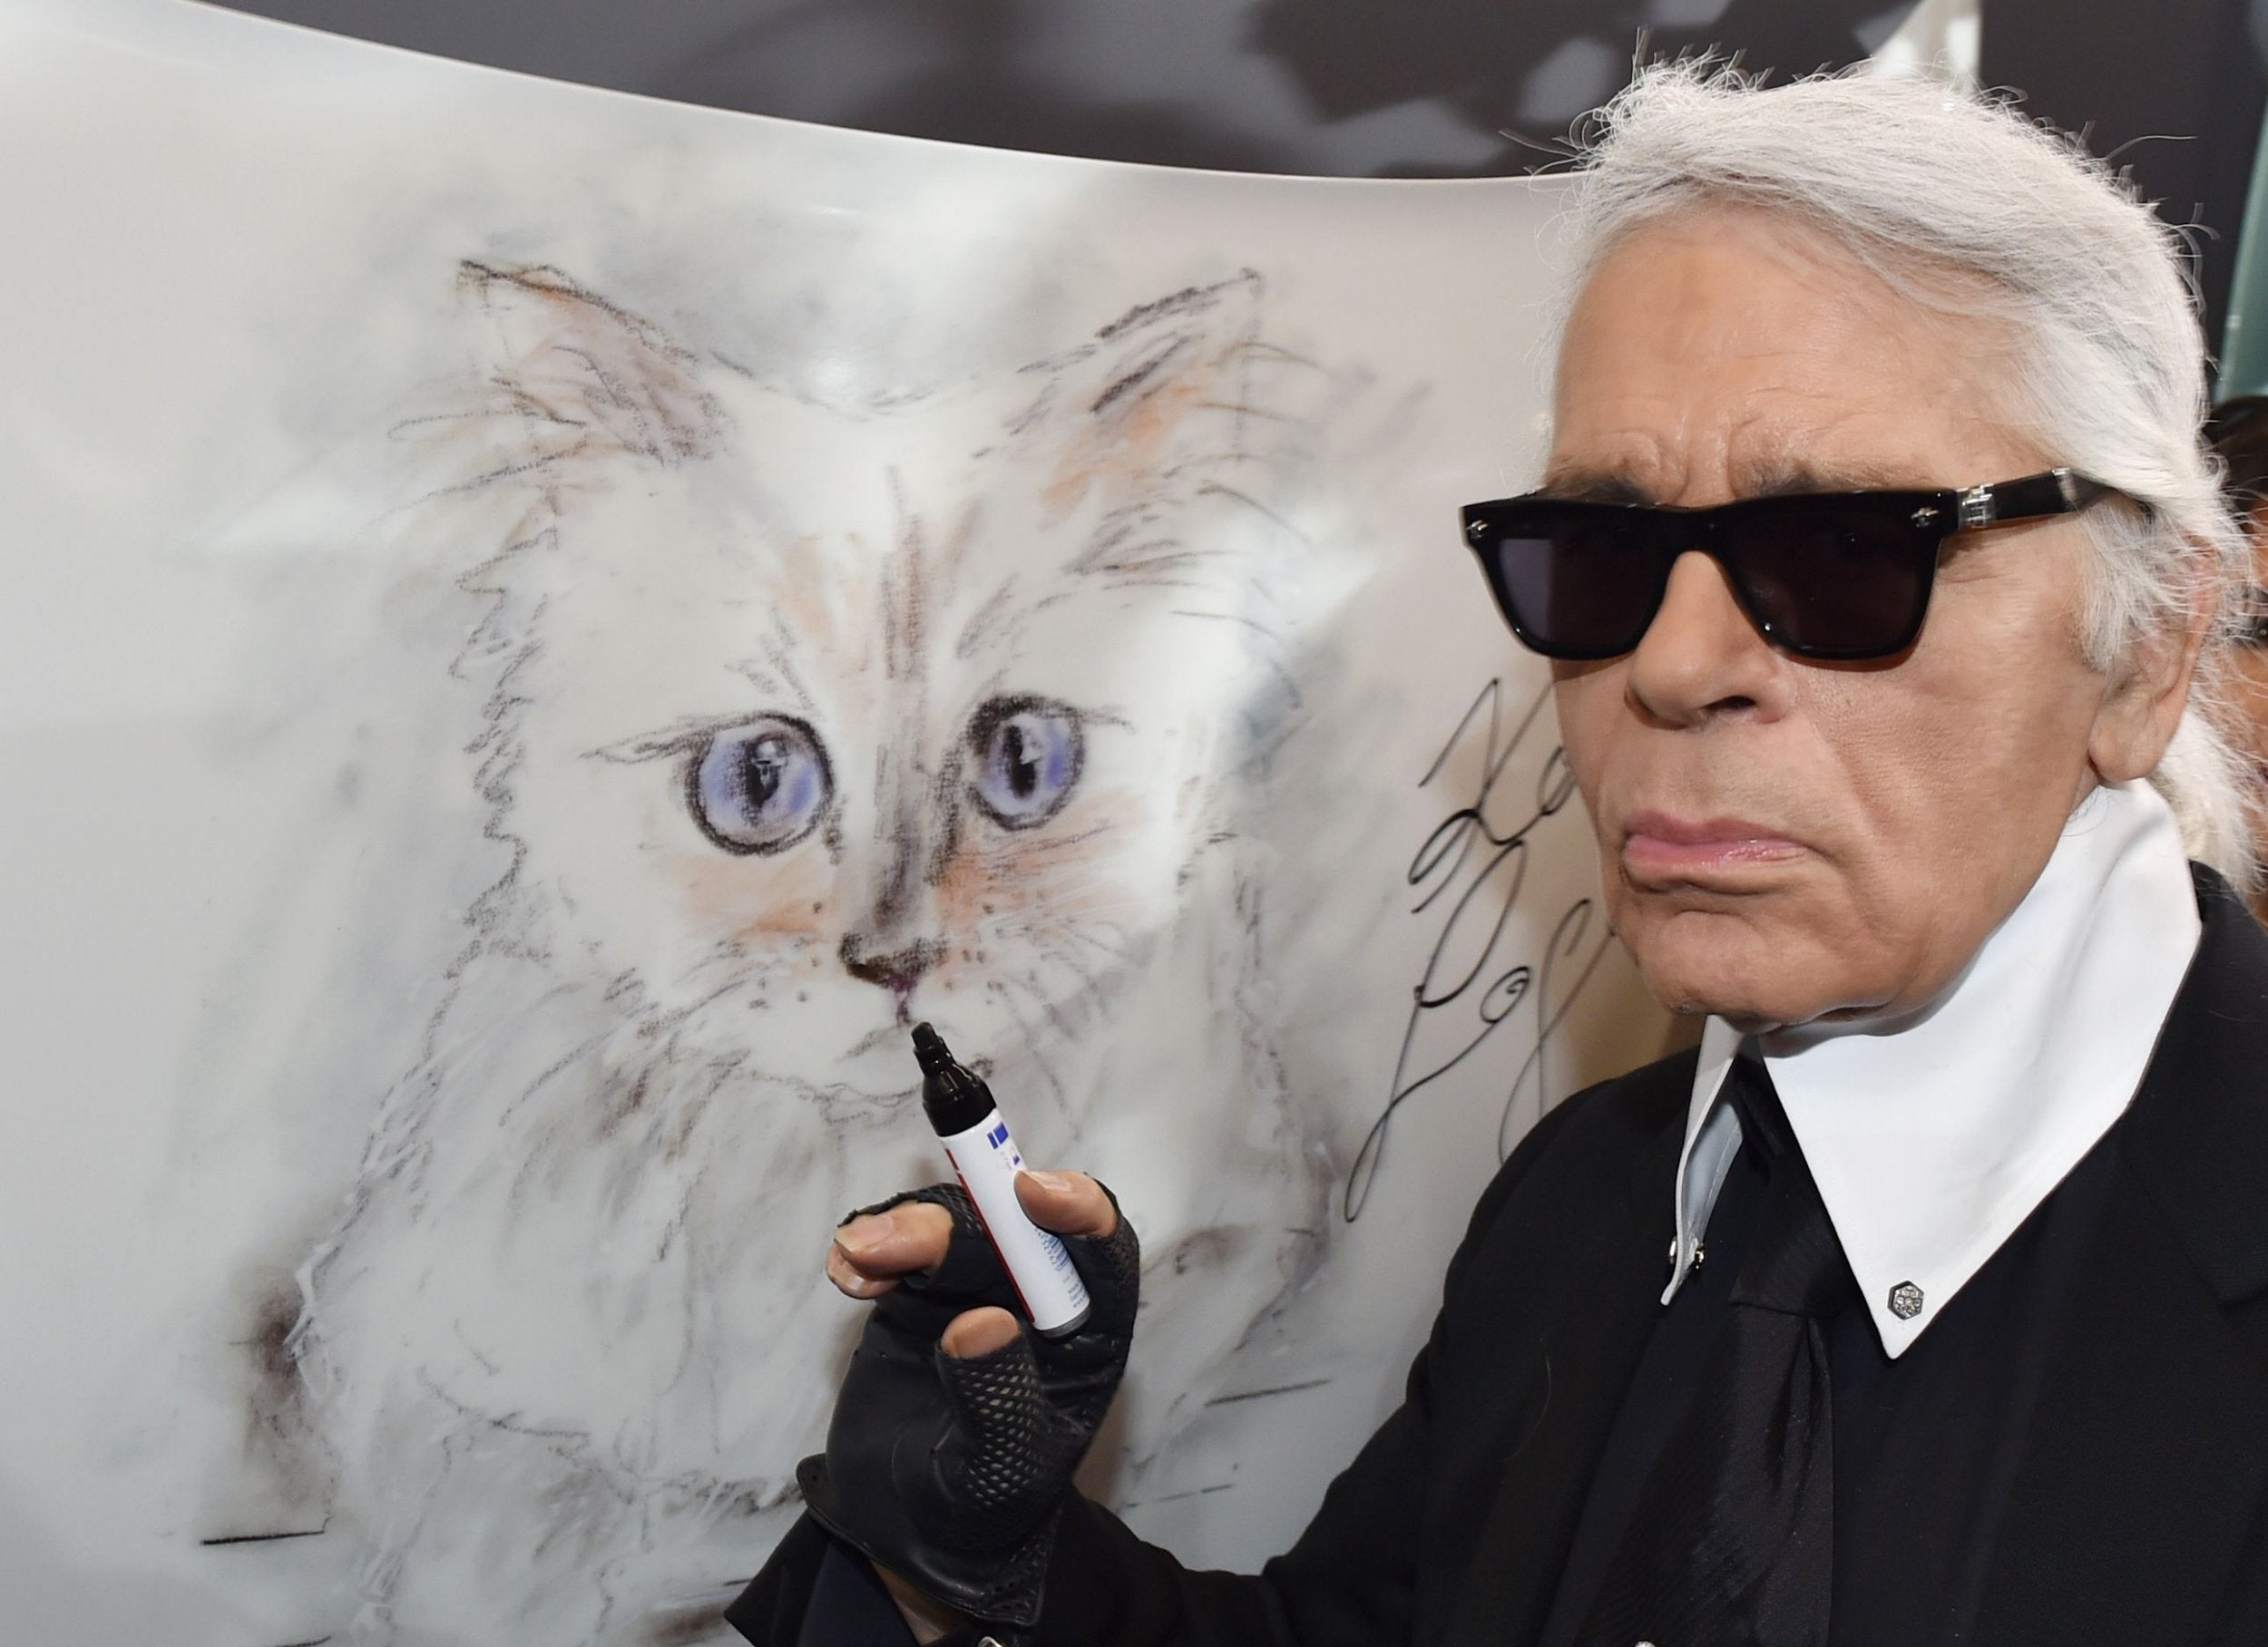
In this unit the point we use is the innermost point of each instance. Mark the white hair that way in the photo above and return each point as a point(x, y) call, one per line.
point(1920, 180)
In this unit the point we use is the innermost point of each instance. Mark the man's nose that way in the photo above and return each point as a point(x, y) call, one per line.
point(1702, 659)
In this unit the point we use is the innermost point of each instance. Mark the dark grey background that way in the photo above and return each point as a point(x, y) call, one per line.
point(1420, 88)
point(1336, 87)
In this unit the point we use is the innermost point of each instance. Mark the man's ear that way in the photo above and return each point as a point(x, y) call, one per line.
point(587, 375)
point(2149, 688)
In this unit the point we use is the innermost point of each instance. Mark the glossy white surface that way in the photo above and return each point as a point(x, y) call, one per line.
point(370, 931)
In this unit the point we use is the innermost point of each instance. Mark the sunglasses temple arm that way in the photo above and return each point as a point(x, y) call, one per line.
point(2057, 491)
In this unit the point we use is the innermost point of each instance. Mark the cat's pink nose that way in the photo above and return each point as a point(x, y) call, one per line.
point(897, 968)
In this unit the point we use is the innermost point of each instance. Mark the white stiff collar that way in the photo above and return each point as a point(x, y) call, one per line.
point(1934, 1136)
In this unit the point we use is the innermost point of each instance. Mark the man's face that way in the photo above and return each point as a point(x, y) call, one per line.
point(1782, 841)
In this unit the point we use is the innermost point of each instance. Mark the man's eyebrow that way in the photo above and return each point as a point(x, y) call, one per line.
point(1594, 486)
point(1795, 479)
point(1771, 478)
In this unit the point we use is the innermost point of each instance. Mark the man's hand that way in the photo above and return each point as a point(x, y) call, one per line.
point(955, 1435)
point(874, 1251)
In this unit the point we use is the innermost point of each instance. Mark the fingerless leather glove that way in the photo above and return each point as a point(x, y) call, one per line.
point(953, 1473)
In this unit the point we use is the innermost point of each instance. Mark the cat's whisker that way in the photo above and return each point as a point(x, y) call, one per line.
point(741, 969)
point(1235, 495)
point(1235, 409)
point(1054, 953)
point(1049, 846)
point(1035, 1044)
point(1095, 977)
point(1091, 983)
point(1120, 950)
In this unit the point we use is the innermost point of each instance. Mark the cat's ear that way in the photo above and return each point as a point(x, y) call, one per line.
point(1176, 400)
point(587, 375)
point(1167, 386)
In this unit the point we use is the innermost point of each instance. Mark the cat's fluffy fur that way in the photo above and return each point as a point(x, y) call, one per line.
point(569, 1335)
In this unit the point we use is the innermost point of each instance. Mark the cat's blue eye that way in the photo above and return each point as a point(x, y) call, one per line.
point(1026, 752)
point(761, 788)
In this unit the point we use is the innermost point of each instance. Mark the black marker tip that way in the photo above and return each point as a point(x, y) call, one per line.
point(929, 1049)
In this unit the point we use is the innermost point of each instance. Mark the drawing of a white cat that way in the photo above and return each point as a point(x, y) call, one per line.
point(797, 723)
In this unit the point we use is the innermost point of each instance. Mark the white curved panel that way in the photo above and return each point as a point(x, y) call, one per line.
point(541, 626)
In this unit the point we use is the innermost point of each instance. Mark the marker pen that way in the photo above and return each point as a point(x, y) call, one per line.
point(985, 1157)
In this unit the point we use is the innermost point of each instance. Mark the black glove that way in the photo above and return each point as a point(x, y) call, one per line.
point(952, 1473)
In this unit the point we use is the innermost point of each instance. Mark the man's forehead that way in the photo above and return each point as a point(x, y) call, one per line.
point(1729, 352)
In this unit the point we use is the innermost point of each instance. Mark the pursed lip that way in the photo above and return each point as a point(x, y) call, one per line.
point(1659, 849)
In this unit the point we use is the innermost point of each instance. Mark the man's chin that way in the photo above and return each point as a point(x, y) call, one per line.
point(1755, 1006)
point(1754, 980)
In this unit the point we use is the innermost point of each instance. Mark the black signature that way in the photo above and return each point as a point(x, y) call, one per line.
point(1485, 871)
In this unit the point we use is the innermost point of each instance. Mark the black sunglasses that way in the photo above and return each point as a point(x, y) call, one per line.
point(1841, 576)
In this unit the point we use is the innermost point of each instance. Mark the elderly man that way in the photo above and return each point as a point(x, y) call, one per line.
point(1927, 1301)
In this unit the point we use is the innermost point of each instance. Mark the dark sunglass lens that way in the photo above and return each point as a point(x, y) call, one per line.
point(1832, 581)
point(1578, 581)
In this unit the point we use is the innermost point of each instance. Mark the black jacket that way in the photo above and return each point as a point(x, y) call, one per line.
point(2139, 1512)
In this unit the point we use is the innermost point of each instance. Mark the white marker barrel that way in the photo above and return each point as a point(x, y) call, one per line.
point(986, 1160)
